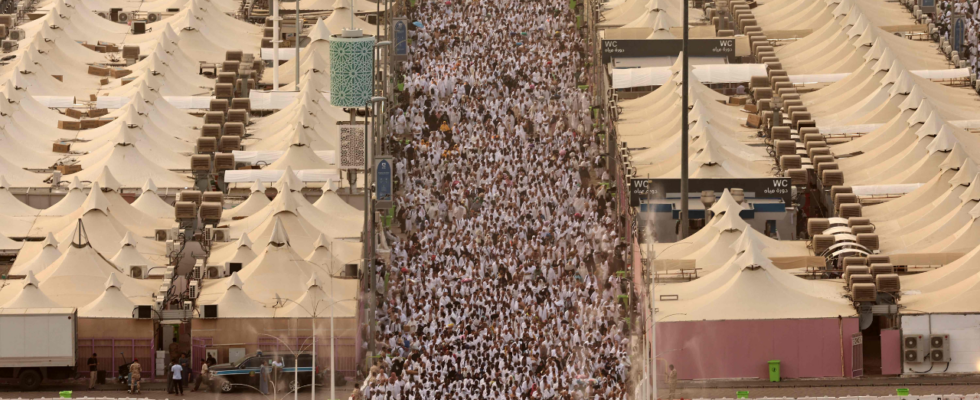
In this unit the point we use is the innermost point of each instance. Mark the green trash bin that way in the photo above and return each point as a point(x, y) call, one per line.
point(742, 394)
point(902, 392)
point(65, 394)
point(773, 370)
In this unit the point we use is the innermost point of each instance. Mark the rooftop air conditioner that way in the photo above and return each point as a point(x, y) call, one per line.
point(188, 306)
point(170, 246)
point(9, 45)
point(193, 289)
point(169, 273)
point(210, 212)
point(210, 311)
point(196, 272)
point(214, 117)
point(224, 162)
point(849, 261)
point(797, 176)
point(185, 210)
point(859, 278)
point(144, 312)
point(821, 243)
point(190, 195)
point(162, 235)
point(888, 283)
point(882, 269)
point(868, 240)
point(849, 210)
point(855, 270)
point(213, 197)
point(206, 145)
point(864, 292)
point(201, 162)
point(124, 18)
point(220, 234)
point(939, 348)
point(211, 130)
point(228, 143)
point(913, 348)
point(235, 129)
point(859, 229)
point(878, 259)
point(816, 226)
point(152, 17)
point(17, 34)
point(836, 190)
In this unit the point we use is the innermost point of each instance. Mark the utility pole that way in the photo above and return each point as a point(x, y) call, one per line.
point(275, 44)
point(685, 222)
point(299, 29)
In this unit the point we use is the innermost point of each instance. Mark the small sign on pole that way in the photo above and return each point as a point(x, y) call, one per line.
point(352, 151)
point(401, 39)
point(383, 170)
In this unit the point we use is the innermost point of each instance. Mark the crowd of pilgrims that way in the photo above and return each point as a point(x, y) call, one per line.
point(502, 282)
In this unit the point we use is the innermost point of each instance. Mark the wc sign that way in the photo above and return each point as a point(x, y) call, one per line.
point(644, 190)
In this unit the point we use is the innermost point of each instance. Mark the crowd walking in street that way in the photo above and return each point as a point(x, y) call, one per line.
point(502, 282)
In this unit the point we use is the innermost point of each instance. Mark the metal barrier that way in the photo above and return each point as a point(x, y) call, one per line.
point(110, 359)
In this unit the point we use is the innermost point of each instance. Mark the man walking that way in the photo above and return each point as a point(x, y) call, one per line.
point(186, 370)
point(134, 376)
point(177, 379)
point(93, 370)
point(202, 377)
point(671, 382)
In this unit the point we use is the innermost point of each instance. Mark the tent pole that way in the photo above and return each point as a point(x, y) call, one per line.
point(685, 224)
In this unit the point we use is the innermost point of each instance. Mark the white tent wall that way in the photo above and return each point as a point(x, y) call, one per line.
point(964, 341)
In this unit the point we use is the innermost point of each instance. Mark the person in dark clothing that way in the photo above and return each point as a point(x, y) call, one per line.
point(93, 370)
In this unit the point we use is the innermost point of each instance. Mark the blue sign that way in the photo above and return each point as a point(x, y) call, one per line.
point(959, 31)
point(401, 39)
point(383, 181)
point(927, 3)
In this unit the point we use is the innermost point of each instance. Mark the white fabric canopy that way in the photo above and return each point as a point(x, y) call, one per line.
point(711, 73)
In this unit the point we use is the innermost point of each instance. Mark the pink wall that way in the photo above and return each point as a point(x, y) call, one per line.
point(742, 349)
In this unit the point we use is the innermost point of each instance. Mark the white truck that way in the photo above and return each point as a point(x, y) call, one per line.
point(37, 344)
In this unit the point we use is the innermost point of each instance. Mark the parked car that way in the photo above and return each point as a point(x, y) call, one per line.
point(245, 373)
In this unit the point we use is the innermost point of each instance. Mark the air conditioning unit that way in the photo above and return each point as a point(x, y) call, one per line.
point(139, 27)
point(144, 312)
point(185, 210)
point(193, 196)
point(9, 45)
point(162, 235)
point(220, 235)
point(213, 197)
point(196, 272)
point(169, 273)
point(210, 212)
point(224, 162)
point(17, 34)
point(123, 18)
point(211, 311)
point(194, 289)
point(153, 17)
point(188, 306)
point(864, 292)
point(170, 246)
point(939, 348)
point(913, 348)
point(201, 162)
point(232, 267)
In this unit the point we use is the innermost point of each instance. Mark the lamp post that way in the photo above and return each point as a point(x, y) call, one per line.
point(333, 351)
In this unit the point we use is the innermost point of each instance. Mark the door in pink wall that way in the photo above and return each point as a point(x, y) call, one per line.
point(891, 352)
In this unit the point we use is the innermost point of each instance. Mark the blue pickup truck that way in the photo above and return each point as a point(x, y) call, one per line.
point(245, 373)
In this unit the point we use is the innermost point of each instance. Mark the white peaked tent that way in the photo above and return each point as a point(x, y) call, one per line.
point(10, 206)
point(752, 288)
point(238, 252)
point(30, 296)
point(111, 304)
point(76, 277)
point(70, 203)
point(342, 16)
point(128, 256)
point(359, 6)
point(334, 206)
point(235, 303)
point(151, 204)
point(6, 244)
point(317, 301)
point(132, 168)
point(256, 201)
point(278, 270)
point(48, 254)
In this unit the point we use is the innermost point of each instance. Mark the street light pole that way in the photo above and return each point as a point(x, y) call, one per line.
point(685, 224)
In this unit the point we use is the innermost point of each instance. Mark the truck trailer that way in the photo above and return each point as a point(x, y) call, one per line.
point(38, 344)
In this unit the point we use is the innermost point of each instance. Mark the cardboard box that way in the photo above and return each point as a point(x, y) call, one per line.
point(75, 113)
point(97, 112)
point(752, 108)
point(92, 97)
point(753, 121)
point(737, 100)
point(90, 123)
point(61, 147)
point(69, 169)
point(98, 71)
point(104, 81)
point(70, 125)
point(120, 72)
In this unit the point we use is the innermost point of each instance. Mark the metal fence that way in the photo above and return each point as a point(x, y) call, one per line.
point(115, 352)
